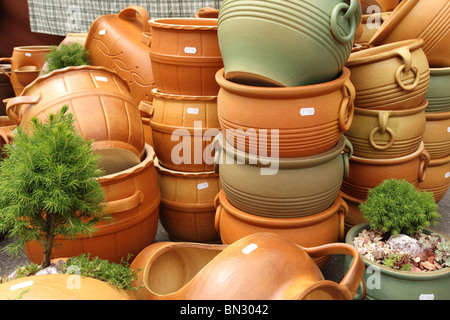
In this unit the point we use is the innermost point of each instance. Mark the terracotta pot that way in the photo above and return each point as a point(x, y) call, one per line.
point(392, 76)
point(438, 178)
point(100, 101)
point(295, 121)
point(197, 271)
point(61, 287)
point(26, 63)
point(393, 284)
point(282, 188)
point(207, 12)
point(187, 204)
point(354, 215)
point(420, 19)
point(148, 133)
point(366, 173)
point(133, 198)
point(438, 95)
point(314, 230)
point(437, 134)
point(120, 42)
point(370, 23)
point(182, 130)
point(6, 89)
point(387, 133)
point(185, 55)
point(7, 126)
point(322, 31)
point(384, 5)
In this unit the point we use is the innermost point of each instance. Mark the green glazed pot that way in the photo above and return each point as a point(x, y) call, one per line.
point(384, 283)
point(438, 93)
point(286, 43)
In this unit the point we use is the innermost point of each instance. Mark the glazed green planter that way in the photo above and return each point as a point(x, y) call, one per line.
point(389, 284)
point(286, 43)
point(438, 93)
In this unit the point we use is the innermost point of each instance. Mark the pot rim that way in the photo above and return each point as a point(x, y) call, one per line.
point(184, 23)
point(393, 112)
point(282, 92)
point(32, 48)
point(439, 161)
point(433, 116)
point(407, 275)
point(170, 96)
point(439, 71)
point(184, 174)
point(391, 161)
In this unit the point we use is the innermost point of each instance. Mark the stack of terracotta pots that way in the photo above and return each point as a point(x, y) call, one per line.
point(285, 101)
point(183, 118)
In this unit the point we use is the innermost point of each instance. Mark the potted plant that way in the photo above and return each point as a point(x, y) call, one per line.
point(66, 55)
point(404, 258)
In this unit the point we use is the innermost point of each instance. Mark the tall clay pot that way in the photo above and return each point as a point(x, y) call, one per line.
point(437, 134)
point(438, 94)
point(437, 180)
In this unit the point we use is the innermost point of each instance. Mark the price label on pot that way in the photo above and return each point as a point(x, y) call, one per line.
point(428, 296)
point(202, 186)
point(28, 54)
point(102, 32)
point(21, 285)
point(448, 129)
point(191, 50)
point(447, 174)
point(99, 78)
point(192, 110)
point(307, 112)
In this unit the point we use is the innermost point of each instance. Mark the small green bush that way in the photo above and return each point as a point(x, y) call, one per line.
point(67, 55)
point(397, 206)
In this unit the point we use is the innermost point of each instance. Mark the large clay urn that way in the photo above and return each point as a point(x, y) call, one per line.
point(314, 230)
point(367, 173)
point(387, 133)
point(187, 208)
point(133, 199)
point(280, 43)
point(185, 55)
point(419, 19)
point(437, 180)
point(437, 134)
point(253, 268)
point(282, 187)
point(438, 94)
point(293, 121)
point(391, 76)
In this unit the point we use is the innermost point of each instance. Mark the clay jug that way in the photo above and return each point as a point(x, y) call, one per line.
point(194, 271)
point(438, 177)
point(437, 134)
point(438, 94)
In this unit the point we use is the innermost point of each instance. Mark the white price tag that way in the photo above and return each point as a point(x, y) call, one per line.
point(428, 296)
point(447, 174)
point(99, 78)
point(202, 186)
point(192, 110)
point(28, 54)
point(190, 50)
point(307, 112)
point(250, 248)
point(102, 32)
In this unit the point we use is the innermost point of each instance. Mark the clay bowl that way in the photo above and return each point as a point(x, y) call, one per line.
point(293, 121)
point(438, 178)
point(366, 173)
point(437, 134)
point(419, 19)
point(380, 134)
point(187, 208)
point(438, 94)
point(285, 187)
point(192, 271)
point(391, 76)
point(314, 230)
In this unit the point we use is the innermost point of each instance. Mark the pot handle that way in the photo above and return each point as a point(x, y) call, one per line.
point(346, 158)
point(425, 159)
point(126, 204)
point(383, 117)
point(129, 13)
point(206, 12)
point(147, 108)
point(342, 211)
point(218, 207)
point(347, 107)
point(348, 15)
point(9, 60)
point(405, 68)
point(15, 101)
point(217, 152)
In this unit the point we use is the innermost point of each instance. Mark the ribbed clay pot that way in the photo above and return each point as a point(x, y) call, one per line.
point(366, 173)
point(420, 19)
point(387, 133)
point(185, 55)
point(133, 199)
point(187, 208)
point(61, 287)
point(438, 94)
point(438, 178)
point(284, 187)
point(391, 76)
point(370, 23)
point(100, 101)
point(322, 30)
point(295, 121)
point(384, 5)
point(183, 128)
point(254, 268)
point(314, 230)
point(437, 134)
point(26, 63)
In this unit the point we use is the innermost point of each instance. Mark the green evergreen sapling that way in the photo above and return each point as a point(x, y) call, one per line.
point(66, 55)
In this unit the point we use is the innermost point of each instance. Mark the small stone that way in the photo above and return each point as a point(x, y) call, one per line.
point(406, 244)
point(429, 266)
point(48, 270)
point(378, 255)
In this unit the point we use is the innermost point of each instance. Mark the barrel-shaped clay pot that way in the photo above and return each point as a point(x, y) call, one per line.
point(187, 208)
point(437, 180)
point(99, 99)
point(367, 173)
point(387, 133)
point(438, 94)
point(420, 19)
point(322, 30)
point(185, 55)
point(285, 187)
point(437, 134)
point(391, 76)
point(133, 199)
point(314, 230)
point(293, 121)
point(254, 268)
point(183, 128)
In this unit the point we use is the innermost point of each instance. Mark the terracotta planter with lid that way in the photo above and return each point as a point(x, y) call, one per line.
point(254, 268)
point(420, 19)
point(187, 204)
point(295, 121)
point(438, 94)
point(133, 198)
point(437, 134)
point(185, 55)
point(391, 76)
point(438, 177)
point(387, 133)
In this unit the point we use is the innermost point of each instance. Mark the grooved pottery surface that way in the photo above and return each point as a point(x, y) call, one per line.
point(438, 177)
point(438, 94)
point(437, 134)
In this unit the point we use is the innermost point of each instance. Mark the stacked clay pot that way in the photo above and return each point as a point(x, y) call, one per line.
point(284, 102)
point(182, 115)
